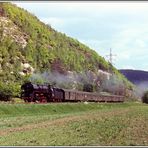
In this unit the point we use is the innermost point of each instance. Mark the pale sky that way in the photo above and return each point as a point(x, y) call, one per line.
point(121, 26)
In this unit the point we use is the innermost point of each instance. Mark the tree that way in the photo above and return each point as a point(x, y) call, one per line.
point(145, 97)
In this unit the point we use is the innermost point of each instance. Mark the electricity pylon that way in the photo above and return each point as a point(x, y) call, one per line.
point(111, 57)
point(110, 60)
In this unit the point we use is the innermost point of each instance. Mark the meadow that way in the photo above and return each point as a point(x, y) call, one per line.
point(74, 124)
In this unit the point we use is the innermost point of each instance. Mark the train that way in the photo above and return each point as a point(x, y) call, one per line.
point(47, 93)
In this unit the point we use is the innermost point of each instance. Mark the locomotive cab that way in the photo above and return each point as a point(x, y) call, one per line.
point(26, 92)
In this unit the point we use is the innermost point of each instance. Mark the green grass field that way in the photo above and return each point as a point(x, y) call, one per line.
point(74, 124)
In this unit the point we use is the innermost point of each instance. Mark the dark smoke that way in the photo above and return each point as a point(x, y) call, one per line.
point(76, 81)
point(72, 80)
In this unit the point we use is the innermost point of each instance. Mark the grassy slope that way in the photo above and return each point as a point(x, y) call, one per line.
point(64, 54)
point(74, 124)
point(72, 54)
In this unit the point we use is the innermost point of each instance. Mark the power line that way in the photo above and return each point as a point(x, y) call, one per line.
point(111, 56)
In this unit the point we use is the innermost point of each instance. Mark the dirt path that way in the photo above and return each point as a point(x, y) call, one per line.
point(65, 120)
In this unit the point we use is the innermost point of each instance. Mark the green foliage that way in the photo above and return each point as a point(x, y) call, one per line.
point(5, 93)
point(46, 49)
point(45, 45)
point(8, 90)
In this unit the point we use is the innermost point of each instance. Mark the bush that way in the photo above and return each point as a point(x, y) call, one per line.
point(5, 94)
point(145, 97)
point(7, 91)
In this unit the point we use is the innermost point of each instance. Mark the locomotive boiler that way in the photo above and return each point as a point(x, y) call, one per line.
point(47, 93)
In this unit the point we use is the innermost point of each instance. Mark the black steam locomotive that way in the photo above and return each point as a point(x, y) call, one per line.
point(47, 93)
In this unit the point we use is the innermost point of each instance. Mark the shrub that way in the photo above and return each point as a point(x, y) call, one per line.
point(5, 94)
point(7, 91)
point(145, 97)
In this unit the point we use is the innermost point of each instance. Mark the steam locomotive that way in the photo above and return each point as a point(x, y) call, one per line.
point(47, 93)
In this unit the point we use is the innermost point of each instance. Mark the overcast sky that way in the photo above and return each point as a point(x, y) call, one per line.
point(121, 26)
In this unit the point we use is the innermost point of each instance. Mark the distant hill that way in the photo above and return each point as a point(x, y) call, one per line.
point(135, 76)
